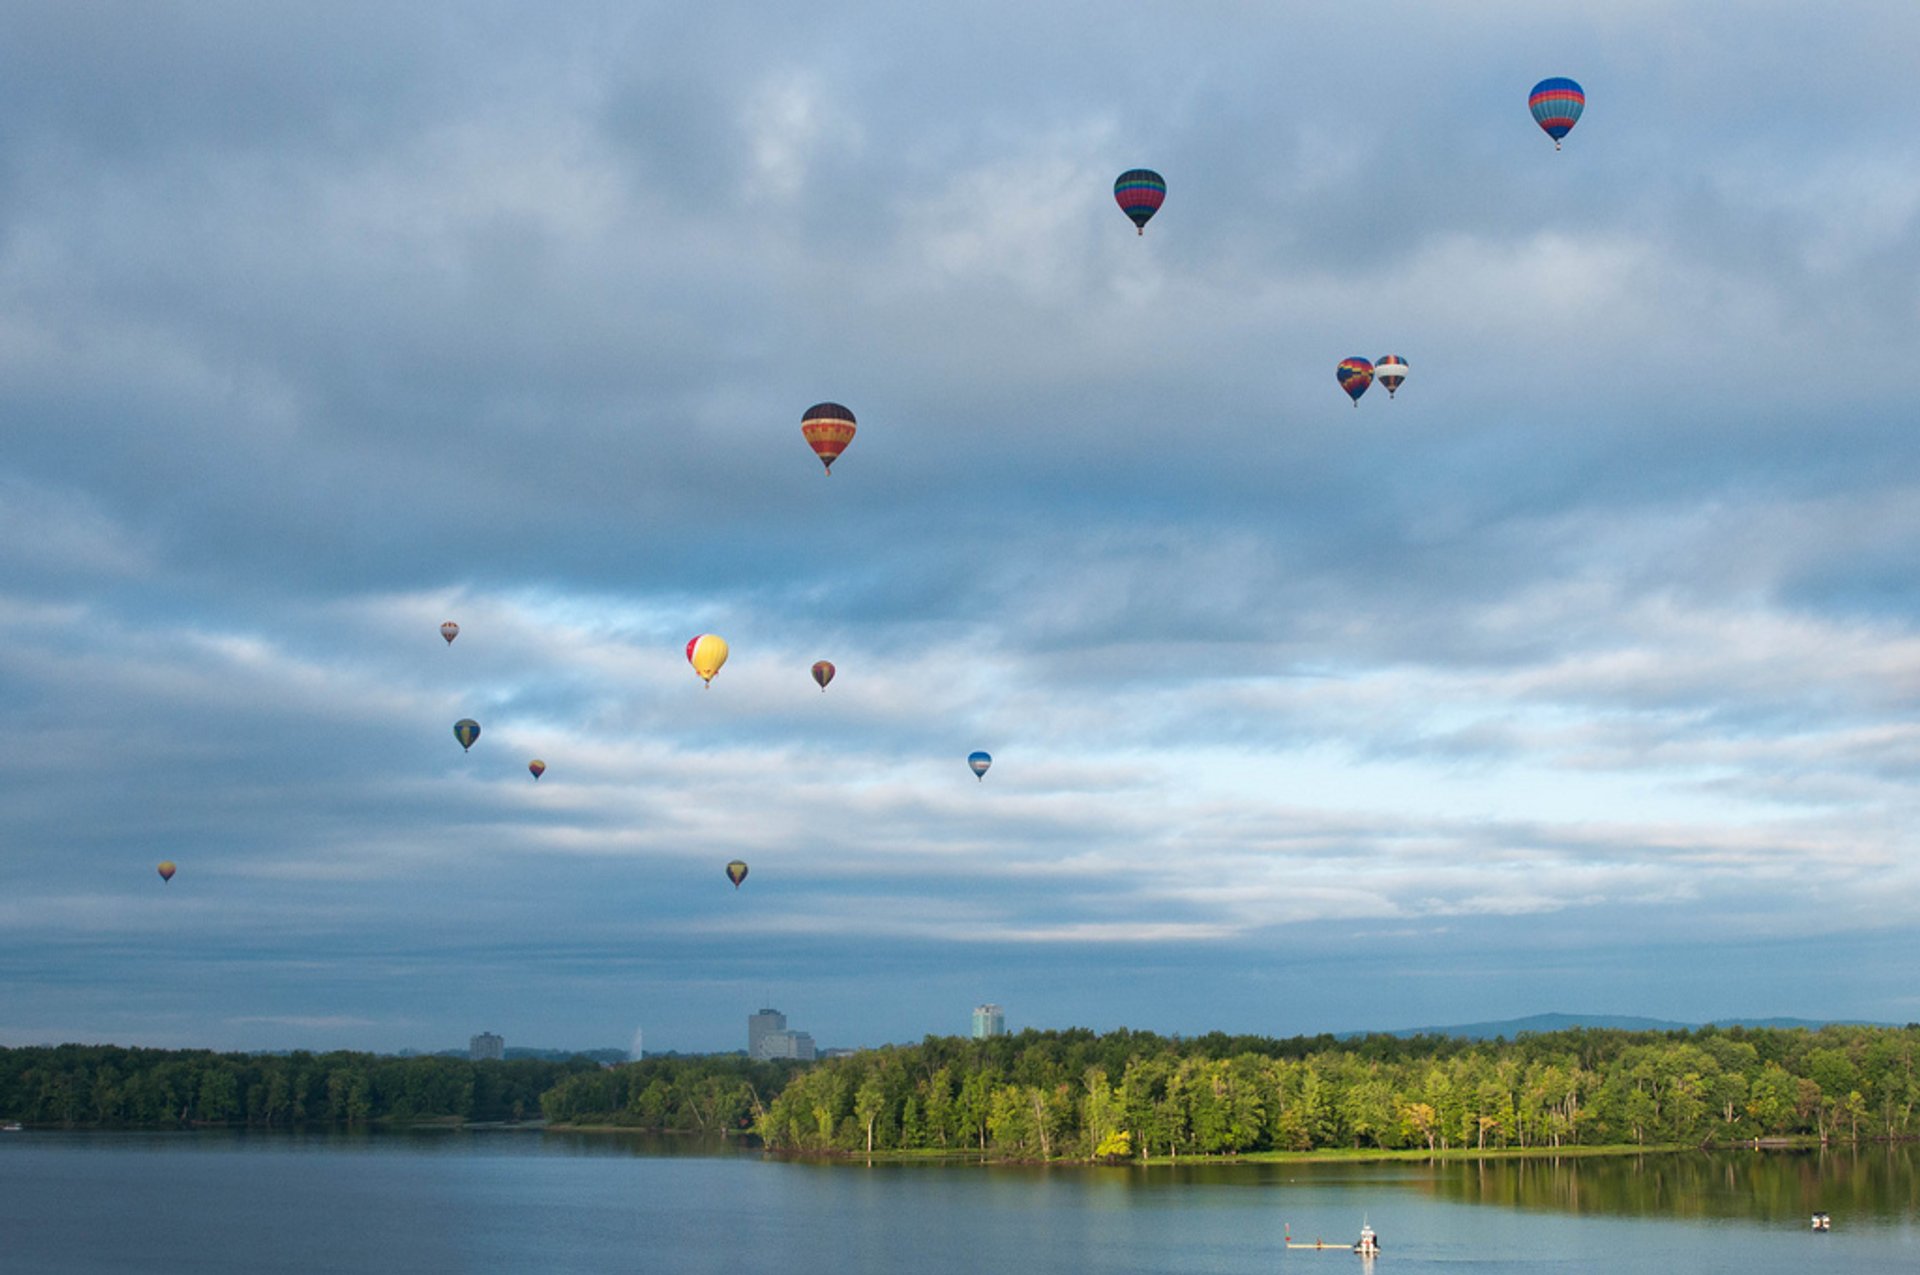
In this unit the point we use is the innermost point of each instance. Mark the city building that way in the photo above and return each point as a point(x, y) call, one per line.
point(988, 1021)
point(486, 1046)
point(768, 1037)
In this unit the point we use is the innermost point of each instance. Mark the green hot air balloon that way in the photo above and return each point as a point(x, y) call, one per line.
point(466, 730)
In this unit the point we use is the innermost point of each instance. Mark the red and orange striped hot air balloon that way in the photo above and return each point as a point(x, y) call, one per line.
point(536, 768)
point(828, 428)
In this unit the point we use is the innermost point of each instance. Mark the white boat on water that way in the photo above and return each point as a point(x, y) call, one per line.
point(1369, 1243)
point(11, 1126)
point(1821, 1222)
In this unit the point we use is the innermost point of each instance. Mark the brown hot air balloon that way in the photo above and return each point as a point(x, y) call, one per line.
point(823, 673)
point(828, 428)
point(537, 768)
point(737, 872)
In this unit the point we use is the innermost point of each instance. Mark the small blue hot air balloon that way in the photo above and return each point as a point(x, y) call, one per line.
point(978, 763)
point(1556, 104)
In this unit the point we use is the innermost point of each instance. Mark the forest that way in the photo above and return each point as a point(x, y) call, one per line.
point(1058, 1095)
point(1074, 1094)
point(108, 1086)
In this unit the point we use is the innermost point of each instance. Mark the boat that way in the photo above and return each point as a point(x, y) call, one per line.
point(1821, 1222)
point(11, 1126)
point(1368, 1245)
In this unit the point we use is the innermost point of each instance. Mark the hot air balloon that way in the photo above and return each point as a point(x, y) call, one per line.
point(166, 869)
point(1354, 376)
point(1390, 370)
point(737, 872)
point(449, 631)
point(707, 653)
point(828, 428)
point(537, 768)
point(1556, 104)
point(466, 730)
point(979, 762)
point(1140, 192)
point(823, 673)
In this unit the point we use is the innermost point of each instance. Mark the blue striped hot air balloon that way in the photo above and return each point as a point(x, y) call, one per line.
point(1556, 104)
point(978, 763)
point(1140, 192)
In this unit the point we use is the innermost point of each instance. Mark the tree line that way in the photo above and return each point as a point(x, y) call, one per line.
point(1074, 1094)
point(1063, 1094)
point(106, 1085)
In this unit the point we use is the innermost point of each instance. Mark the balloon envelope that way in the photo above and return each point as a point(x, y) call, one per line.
point(1354, 376)
point(823, 673)
point(466, 730)
point(166, 870)
point(1140, 192)
point(1390, 370)
point(449, 631)
point(707, 653)
point(737, 872)
point(978, 763)
point(537, 767)
point(1556, 104)
point(828, 428)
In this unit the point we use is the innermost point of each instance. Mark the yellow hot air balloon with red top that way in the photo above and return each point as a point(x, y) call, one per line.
point(707, 653)
point(828, 428)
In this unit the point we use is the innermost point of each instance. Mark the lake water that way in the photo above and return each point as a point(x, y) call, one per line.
point(455, 1202)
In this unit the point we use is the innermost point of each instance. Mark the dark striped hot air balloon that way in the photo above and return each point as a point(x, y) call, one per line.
point(1354, 375)
point(1556, 104)
point(536, 768)
point(1140, 192)
point(466, 730)
point(737, 872)
point(1390, 370)
point(828, 428)
point(823, 673)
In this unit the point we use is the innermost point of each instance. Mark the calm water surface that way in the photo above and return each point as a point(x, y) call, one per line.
point(456, 1202)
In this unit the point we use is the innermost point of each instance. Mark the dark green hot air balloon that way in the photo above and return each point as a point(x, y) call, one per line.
point(466, 730)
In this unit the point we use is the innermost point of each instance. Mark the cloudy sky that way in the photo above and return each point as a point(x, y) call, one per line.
point(1582, 678)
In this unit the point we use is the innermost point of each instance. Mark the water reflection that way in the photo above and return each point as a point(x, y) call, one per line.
point(1872, 1180)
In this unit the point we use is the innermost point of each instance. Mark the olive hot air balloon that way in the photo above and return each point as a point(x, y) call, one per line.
point(166, 869)
point(823, 673)
point(466, 730)
point(449, 631)
point(1354, 376)
point(978, 763)
point(1390, 370)
point(1140, 192)
point(1556, 104)
point(707, 653)
point(536, 768)
point(828, 428)
point(737, 872)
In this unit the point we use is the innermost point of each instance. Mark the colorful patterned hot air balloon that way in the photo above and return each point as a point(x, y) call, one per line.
point(707, 653)
point(449, 631)
point(1556, 104)
point(466, 730)
point(537, 768)
point(828, 428)
point(1140, 192)
point(1354, 376)
point(823, 673)
point(737, 872)
point(978, 763)
point(166, 869)
point(1390, 370)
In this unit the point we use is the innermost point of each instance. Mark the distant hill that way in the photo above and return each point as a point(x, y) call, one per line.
point(1508, 1029)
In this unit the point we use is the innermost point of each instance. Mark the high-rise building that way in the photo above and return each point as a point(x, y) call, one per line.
point(988, 1021)
point(759, 1027)
point(788, 1045)
point(486, 1046)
